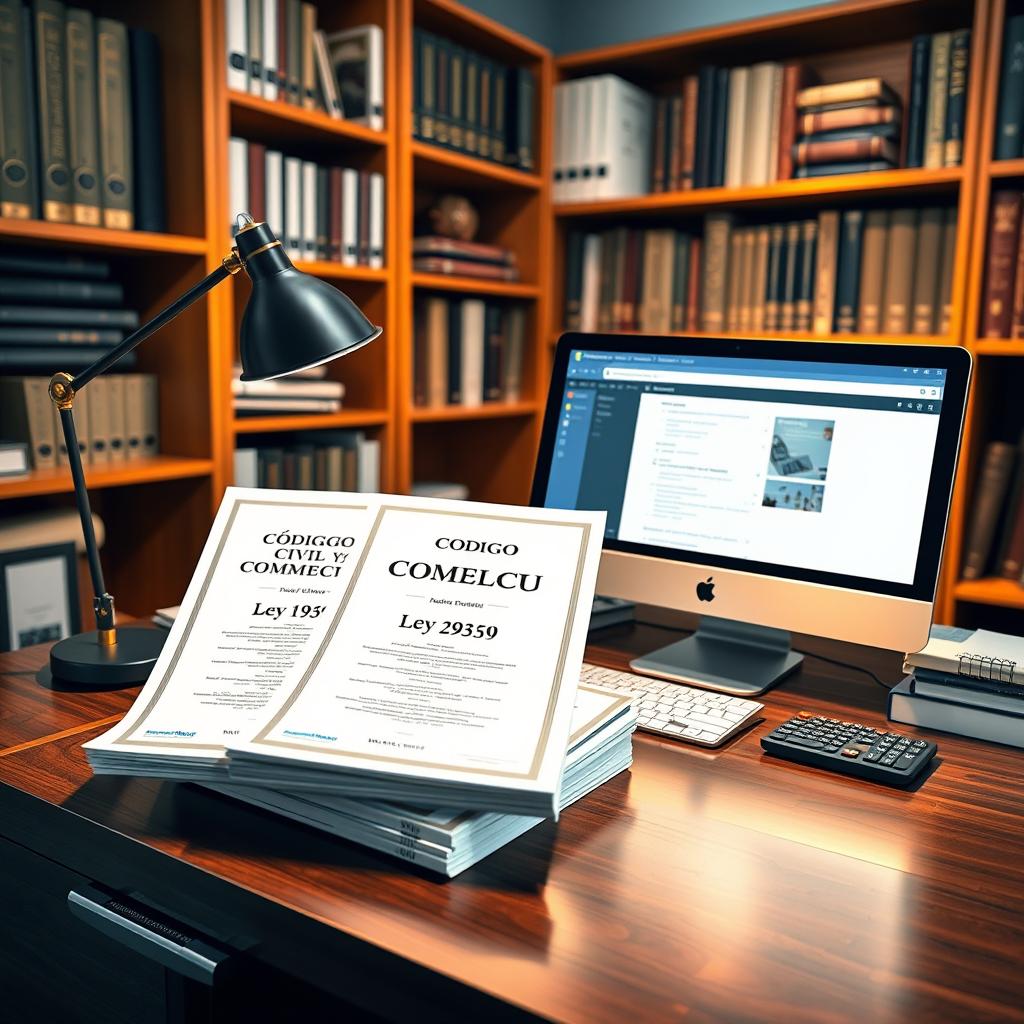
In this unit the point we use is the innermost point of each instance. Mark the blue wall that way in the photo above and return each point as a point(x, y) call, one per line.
point(568, 25)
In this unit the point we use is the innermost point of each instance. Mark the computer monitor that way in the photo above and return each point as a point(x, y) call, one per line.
point(782, 486)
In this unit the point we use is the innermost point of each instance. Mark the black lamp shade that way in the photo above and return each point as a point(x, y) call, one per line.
point(292, 321)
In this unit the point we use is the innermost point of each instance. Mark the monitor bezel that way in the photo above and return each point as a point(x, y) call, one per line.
point(954, 360)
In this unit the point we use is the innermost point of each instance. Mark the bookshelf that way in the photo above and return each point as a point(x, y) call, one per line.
point(160, 510)
point(841, 41)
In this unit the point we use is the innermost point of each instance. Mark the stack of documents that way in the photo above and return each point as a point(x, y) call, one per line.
point(449, 841)
point(381, 648)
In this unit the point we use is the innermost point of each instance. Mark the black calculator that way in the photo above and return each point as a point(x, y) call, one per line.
point(890, 758)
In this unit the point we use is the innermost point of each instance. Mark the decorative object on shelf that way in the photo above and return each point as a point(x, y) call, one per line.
point(38, 595)
point(292, 321)
point(454, 217)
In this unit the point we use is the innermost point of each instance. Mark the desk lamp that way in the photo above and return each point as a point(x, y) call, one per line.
point(291, 322)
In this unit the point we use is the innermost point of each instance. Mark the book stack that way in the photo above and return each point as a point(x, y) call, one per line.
point(467, 352)
point(965, 682)
point(320, 460)
point(995, 536)
point(301, 393)
point(73, 152)
point(845, 272)
point(602, 147)
point(1002, 297)
point(334, 214)
point(434, 254)
point(1009, 140)
point(846, 128)
point(465, 101)
point(937, 106)
point(276, 51)
point(449, 841)
point(59, 312)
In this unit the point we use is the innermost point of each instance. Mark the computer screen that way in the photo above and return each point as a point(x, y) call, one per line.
point(813, 469)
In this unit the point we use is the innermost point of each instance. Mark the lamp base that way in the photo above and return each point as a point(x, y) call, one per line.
point(83, 660)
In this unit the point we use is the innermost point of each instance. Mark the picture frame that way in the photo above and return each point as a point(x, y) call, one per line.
point(38, 595)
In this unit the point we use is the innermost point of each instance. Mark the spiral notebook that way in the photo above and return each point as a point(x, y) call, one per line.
point(980, 655)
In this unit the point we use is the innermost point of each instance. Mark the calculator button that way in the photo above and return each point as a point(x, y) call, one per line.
point(851, 752)
point(802, 741)
point(906, 761)
point(872, 755)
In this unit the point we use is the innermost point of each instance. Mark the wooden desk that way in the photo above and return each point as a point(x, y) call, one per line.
point(701, 886)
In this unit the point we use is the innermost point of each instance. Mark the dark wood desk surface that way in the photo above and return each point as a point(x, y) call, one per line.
point(705, 886)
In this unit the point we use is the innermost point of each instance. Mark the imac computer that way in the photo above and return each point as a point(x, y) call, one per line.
point(772, 486)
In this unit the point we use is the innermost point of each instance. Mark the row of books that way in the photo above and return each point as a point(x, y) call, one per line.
point(276, 51)
point(71, 151)
point(470, 103)
point(467, 352)
point(307, 391)
point(116, 419)
point(994, 543)
point(748, 126)
point(1002, 309)
point(321, 460)
point(59, 312)
point(1009, 135)
point(850, 271)
point(318, 212)
point(435, 254)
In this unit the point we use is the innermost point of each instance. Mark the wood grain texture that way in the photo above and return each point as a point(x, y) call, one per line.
point(699, 886)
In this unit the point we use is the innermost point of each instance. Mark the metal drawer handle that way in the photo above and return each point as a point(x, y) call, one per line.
point(137, 928)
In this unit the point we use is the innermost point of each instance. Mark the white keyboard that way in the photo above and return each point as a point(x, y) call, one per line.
point(685, 713)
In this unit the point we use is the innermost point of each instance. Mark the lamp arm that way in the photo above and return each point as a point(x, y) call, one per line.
point(63, 388)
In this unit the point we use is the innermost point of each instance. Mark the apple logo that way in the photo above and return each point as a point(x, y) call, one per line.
point(706, 590)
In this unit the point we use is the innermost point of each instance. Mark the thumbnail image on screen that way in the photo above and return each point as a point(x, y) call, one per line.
point(798, 497)
point(800, 448)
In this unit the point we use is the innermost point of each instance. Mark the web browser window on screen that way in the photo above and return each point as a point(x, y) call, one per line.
point(768, 460)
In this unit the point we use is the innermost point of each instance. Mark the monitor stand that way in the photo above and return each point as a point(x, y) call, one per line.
point(733, 657)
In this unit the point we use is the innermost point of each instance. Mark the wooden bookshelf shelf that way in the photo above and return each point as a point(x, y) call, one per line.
point(1007, 169)
point(991, 590)
point(803, 190)
point(989, 347)
point(255, 117)
point(495, 410)
point(434, 165)
point(101, 239)
point(312, 421)
point(476, 286)
point(139, 471)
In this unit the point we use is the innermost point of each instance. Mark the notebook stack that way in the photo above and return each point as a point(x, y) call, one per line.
point(966, 682)
point(292, 394)
point(447, 841)
point(846, 128)
point(434, 254)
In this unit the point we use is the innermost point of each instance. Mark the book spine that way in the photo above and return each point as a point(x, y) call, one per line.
point(59, 336)
point(271, 50)
point(838, 151)
point(323, 227)
point(658, 161)
point(254, 46)
point(938, 88)
point(956, 98)
point(736, 127)
point(83, 140)
point(293, 36)
point(674, 151)
point(61, 293)
point(899, 272)
point(590, 293)
point(455, 352)
point(872, 271)
point(417, 83)
point(805, 283)
point(1017, 320)
point(734, 280)
point(759, 280)
point(293, 207)
point(364, 218)
point(377, 233)
point(148, 168)
point(858, 90)
point(694, 315)
point(19, 158)
point(847, 118)
point(1010, 116)
point(349, 217)
point(926, 271)
point(512, 367)
point(790, 276)
point(483, 141)
point(573, 280)
point(51, 62)
point(704, 126)
point(456, 114)
point(827, 170)
point(472, 92)
point(1000, 261)
point(115, 124)
point(791, 75)
point(920, 62)
point(420, 354)
point(717, 231)
point(773, 279)
point(308, 74)
point(237, 46)
point(718, 136)
point(526, 106)
point(990, 490)
point(947, 265)
point(494, 350)
point(680, 281)
point(273, 169)
point(428, 73)
point(687, 167)
point(825, 271)
point(851, 236)
point(256, 180)
point(499, 141)
point(442, 122)
point(747, 297)
point(308, 210)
